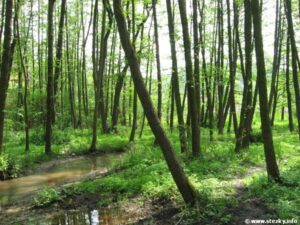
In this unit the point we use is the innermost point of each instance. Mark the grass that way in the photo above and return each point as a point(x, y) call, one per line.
point(15, 161)
point(143, 171)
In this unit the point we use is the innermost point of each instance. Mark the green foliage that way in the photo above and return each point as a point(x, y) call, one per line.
point(144, 171)
point(46, 197)
point(283, 198)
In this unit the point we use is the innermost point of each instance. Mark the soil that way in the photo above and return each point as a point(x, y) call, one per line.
point(248, 209)
point(141, 211)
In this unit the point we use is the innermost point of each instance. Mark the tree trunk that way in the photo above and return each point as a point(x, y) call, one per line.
point(232, 68)
point(7, 55)
point(50, 85)
point(291, 33)
point(95, 78)
point(58, 57)
point(270, 157)
point(190, 79)
point(196, 56)
point(243, 138)
point(220, 67)
point(175, 80)
point(179, 177)
point(205, 74)
point(287, 83)
point(159, 81)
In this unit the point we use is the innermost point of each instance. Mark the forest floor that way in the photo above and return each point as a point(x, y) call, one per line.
point(231, 188)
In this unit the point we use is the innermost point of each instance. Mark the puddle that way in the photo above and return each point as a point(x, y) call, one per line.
point(57, 174)
point(105, 216)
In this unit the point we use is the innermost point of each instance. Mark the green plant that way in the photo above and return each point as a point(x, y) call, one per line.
point(46, 197)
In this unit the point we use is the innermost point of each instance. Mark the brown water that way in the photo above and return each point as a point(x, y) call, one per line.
point(105, 216)
point(57, 174)
point(64, 172)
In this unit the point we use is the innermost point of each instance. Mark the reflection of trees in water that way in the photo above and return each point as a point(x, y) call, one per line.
point(92, 217)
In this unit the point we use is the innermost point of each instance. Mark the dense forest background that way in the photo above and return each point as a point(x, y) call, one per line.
point(188, 77)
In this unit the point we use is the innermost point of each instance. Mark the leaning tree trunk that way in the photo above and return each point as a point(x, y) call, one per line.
point(270, 157)
point(179, 177)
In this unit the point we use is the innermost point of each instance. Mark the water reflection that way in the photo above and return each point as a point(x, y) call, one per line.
point(57, 174)
point(104, 216)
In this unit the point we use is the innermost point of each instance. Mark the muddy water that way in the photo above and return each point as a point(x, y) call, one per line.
point(105, 216)
point(57, 174)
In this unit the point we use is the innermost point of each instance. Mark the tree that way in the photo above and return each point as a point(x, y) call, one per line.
point(58, 57)
point(291, 34)
point(190, 79)
point(287, 83)
point(50, 84)
point(270, 157)
point(179, 177)
point(6, 64)
point(232, 68)
point(175, 80)
point(243, 138)
point(25, 73)
point(159, 81)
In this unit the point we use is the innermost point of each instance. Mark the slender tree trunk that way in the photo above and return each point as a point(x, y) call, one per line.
point(205, 74)
point(287, 83)
point(232, 65)
point(135, 97)
point(159, 81)
point(275, 68)
point(7, 55)
point(220, 65)
point(95, 77)
point(190, 79)
point(58, 57)
point(291, 33)
point(270, 157)
point(105, 32)
point(26, 81)
point(2, 23)
point(196, 56)
point(48, 134)
point(243, 138)
point(175, 80)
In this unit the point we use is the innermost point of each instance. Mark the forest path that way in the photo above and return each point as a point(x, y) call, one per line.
point(248, 208)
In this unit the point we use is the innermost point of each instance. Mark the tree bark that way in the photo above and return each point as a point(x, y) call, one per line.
point(50, 85)
point(270, 157)
point(190, 79)
point(175, 80)
point(7, 55)
point(232, 68)
point(179, 177)
point(243, 138)
point(291, 33)
point(159, 81)
point(58, 57)
point(287, 83)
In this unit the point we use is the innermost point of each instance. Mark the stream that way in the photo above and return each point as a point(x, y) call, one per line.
point(64, 172)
